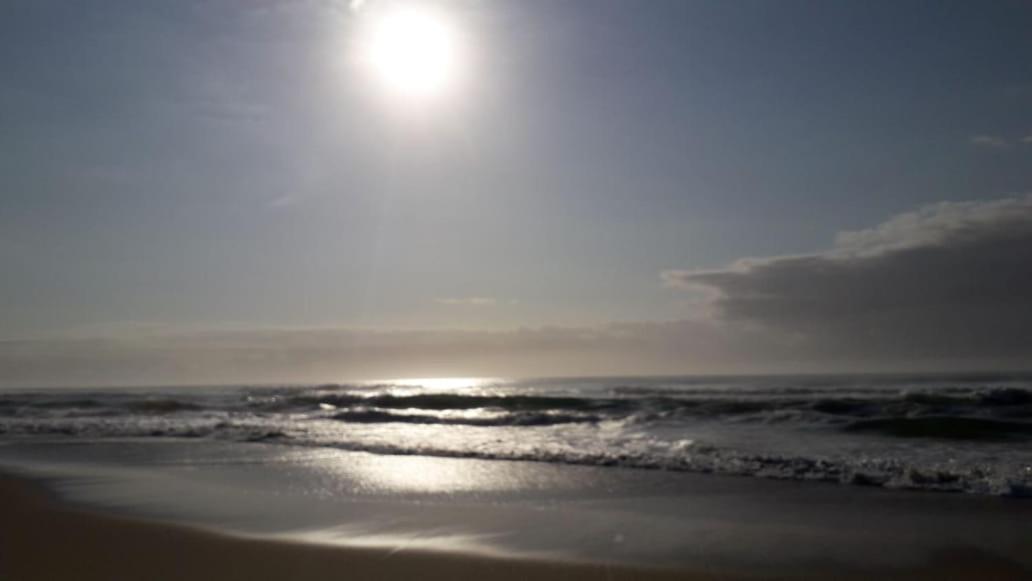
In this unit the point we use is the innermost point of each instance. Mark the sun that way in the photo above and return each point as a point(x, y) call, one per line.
point(413, 51)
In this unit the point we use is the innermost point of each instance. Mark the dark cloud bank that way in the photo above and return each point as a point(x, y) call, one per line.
point(946, 287)
point(949, 281)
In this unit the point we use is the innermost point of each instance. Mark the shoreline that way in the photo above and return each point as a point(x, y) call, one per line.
point(43, 537)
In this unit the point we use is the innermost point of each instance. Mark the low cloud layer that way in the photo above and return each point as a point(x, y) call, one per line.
point(469, 301)
point(949, 281)
point(989, 141)
point(154, 356)
point(999, 141)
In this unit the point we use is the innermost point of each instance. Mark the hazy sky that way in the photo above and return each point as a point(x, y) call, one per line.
point(202, 191)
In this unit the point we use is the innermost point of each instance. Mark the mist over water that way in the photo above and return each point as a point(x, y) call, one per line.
point(968, 433)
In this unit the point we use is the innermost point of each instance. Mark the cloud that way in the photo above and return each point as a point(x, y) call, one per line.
point(951, 280)
point(284, 201)
point(989, 141)
point(469, 301)
point(476, 301)
point(1027, 139)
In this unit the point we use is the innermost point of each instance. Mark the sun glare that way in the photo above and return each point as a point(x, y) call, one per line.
point(413, 51)
point(443, 383)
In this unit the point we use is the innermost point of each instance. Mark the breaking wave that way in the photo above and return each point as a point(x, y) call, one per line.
point(965, 435)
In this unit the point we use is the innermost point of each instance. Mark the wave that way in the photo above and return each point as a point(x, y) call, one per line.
point(162, 406)
point(1009, 402)
point(513, 419)
point(954, 428)
point(821, 406)
point(601, 448)
point(958, 437)
point(452, 401)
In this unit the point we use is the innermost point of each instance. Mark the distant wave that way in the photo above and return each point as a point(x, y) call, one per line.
point(1005, 402)
point(162, 406)
point(454, 401)
point(509, 419)
point(951, 413)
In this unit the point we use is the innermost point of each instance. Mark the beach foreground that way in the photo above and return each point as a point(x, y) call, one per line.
point(42, 538)
point(753, 478)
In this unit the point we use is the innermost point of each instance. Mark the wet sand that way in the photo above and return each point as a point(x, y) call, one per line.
point(43, 538)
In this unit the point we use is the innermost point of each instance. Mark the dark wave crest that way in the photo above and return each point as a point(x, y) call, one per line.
point(511, 419)
point(452, 401)
point(841, 407)
point(952, 428)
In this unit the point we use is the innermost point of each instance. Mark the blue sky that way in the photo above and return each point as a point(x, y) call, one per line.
point(219, 165)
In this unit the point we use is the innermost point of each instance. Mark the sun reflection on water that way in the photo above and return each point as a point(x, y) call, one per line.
point(442, 383)
point(377, 474)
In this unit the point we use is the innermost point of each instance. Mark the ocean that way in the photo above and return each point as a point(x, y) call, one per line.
point(927, 433)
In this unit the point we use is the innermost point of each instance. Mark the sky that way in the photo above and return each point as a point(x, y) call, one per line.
point(218, 191)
